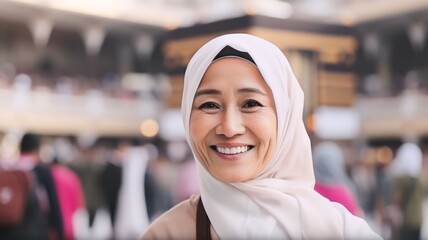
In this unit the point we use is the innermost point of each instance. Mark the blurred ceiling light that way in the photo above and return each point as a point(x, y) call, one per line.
point(133, 11)
point(171, 14)
point(270, 8)
point(144, 45)
point(417, 35)
point(149, 128)
point(316, 8)
point(371, 44)
point(217, 10)
point(93, 37)
point(160, 16)
point(41, 29)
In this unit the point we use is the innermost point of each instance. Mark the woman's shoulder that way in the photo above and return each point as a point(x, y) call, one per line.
point(177, 223)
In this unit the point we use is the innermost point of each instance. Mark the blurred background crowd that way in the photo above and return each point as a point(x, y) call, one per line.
point(90, 94)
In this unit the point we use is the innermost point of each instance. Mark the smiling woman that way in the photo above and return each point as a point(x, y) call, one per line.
point(233, 121)
point(242, 112)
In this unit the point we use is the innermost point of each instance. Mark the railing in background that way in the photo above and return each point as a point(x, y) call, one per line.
point(53, 113)
point(402, 116)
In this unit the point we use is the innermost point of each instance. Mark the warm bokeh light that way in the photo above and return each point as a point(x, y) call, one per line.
point(149, 128)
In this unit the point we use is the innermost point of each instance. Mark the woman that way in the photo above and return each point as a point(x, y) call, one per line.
point(242, 111)
point(331, 179)
point(405, 209)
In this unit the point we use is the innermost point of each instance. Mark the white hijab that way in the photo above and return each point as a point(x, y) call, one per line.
point(408, 161)
point(281, 202)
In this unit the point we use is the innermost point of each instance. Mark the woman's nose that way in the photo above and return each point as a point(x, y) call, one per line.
point(230, 124)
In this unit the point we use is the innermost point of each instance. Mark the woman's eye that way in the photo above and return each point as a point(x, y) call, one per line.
point(209, 106)
point(251, 104)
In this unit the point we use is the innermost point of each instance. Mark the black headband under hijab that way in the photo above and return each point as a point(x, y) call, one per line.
point(229, 51)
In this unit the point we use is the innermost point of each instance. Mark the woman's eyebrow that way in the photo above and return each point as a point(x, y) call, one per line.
point(218, 92)
point(207, 92)
point(251, 90)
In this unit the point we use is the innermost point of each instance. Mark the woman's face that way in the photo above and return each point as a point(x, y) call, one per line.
point(233, 122)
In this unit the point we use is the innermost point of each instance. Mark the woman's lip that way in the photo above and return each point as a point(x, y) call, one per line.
point(231, 157)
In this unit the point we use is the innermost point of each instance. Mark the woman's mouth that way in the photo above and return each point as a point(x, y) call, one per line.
point(232, 150)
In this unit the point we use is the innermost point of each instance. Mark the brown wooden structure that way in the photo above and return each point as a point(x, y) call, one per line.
point(322, 55)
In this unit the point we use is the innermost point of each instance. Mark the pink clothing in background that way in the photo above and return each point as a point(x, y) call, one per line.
point(340, 194)
point(70, 196)
point(187, 182)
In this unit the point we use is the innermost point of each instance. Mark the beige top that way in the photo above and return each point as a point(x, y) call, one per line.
point(177, 223)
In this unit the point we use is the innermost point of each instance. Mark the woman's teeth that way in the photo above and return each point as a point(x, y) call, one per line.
point(232, 150)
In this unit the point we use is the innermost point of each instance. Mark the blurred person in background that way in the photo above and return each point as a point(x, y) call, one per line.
point(151, 186)
point(182, 173)
point(187, 178)
point(242, 112)
point(132, 217)
point(331, 179)
point(23, 202)
point(88, 167)
point(48, 195)
point(163, 175)
point(110, 179)
point(363, 174)
point(381, 158)
point(7, 74)
point(68, 186)
point(407, 193)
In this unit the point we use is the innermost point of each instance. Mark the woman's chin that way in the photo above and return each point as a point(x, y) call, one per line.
point(232, 177)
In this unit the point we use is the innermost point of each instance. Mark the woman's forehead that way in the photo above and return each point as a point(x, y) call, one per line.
point(231, 70)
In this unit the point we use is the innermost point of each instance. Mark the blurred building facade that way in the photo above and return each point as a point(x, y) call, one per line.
point(113, 71)
point(347, 68)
